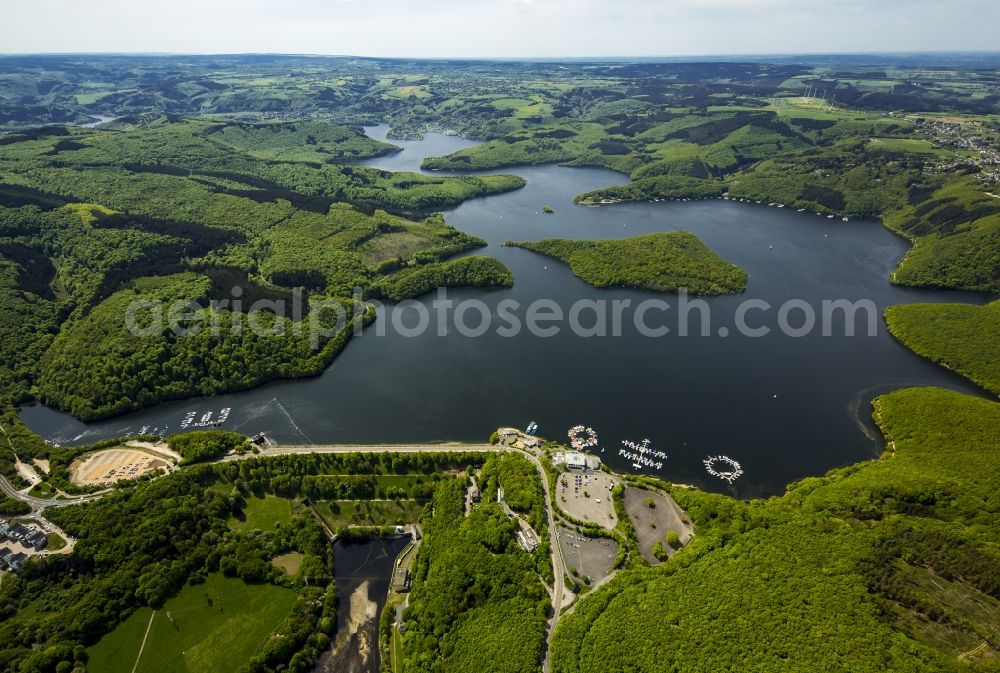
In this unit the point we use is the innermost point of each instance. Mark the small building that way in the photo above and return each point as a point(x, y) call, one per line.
point(4, 528)
point(526, 541)
point(576, 461)
point(17, 561)
point(36, 540)
point(401, 579)
point(19, 532)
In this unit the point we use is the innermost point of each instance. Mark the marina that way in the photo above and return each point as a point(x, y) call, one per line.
point(641, 455)
point(208, 419)
point(353, 402)
point(724, 468)
point(581, 438)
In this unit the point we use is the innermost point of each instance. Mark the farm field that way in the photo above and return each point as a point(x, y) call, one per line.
point(209, 628)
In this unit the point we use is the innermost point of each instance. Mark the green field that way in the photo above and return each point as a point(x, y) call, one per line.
point(264, 513)
point(291, 563)
point(342, 513)
point(213, 627)
point(907, 145)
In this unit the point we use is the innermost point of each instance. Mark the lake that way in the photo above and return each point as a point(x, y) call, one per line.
point(785, 407)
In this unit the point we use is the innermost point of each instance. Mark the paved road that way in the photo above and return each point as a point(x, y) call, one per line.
point(12, 492)
point(38, 504)
point(365, 448)
point(558, 564)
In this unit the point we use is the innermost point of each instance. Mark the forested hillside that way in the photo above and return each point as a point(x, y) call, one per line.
point(887, 565)
point(478, 602)
point(138, 548)
point(917, 175)
point(958, 336)
point(664, 261)
point(169, 209)
point(228, 181)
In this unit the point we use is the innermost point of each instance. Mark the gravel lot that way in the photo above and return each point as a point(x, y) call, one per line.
point(652, 523)
point(573, 488)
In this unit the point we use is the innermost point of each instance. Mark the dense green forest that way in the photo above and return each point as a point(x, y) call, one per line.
point(465, 272)
point(886, 565)
point(477, 602)
point(961, 337)
point(226, 172)
point(137, 548)
point(846, 139)
point(231, 216)
point(259, 190)
point(203, 445)
point(927, 177)
point(834, 161)
point(664, 261)
point(102, 365)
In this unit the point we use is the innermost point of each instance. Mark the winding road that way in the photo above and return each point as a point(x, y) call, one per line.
point(557, 592)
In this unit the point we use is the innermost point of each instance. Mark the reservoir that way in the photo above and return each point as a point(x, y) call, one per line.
point(784, 406)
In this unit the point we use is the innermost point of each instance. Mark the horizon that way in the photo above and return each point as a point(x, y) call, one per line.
point(499, 29)
point(740, 56)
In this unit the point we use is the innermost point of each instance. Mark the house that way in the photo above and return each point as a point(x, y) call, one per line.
point(19, 532)
point(4, 527)
point(37, 540)
point(17, 561)
point(5, 556)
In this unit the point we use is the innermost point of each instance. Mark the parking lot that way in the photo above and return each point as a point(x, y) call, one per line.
point(586, 556)
point(586, 495)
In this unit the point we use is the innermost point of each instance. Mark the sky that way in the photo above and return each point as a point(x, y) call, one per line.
point(499, 28)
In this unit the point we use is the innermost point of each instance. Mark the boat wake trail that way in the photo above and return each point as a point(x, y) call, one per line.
point(292, 421)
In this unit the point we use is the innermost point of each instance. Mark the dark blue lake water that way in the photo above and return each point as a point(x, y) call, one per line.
point(785, 407)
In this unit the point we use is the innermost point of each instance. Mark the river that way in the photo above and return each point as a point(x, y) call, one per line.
point(364, 572)
point(785, 407)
